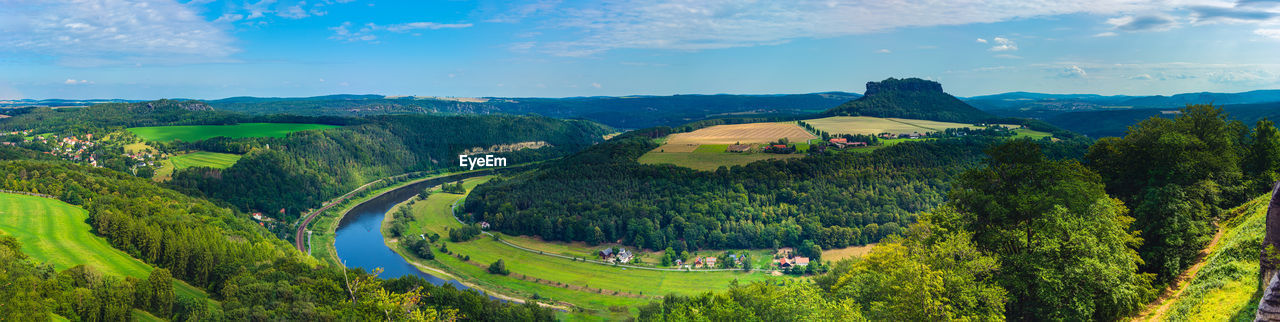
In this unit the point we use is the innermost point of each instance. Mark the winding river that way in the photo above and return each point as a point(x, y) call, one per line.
point(359, 242)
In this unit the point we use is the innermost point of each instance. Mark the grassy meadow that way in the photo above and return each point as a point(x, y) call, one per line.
point(584, 285)
point(191, 133)
point(56, 233)
point(204, 159)
point(709, 161)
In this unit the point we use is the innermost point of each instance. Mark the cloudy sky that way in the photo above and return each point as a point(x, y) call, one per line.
point(147, 49)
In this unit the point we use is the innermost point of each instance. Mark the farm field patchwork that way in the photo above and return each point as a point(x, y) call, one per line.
point(875, 125)
point(55, 232)
point(582, 284)
point(191, 133)
point(742, 134)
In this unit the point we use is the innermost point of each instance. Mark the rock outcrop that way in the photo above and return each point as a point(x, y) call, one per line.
point(1269, 305)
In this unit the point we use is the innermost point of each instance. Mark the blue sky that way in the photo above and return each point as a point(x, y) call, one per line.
point(147, 49)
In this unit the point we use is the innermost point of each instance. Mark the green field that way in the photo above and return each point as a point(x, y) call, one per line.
point(204, 159)
point(709, 161)
point(191, 133)
point(193, 159)
point(1224, 288)
point(1026, 133)
point(434, 215)
point(55, 232)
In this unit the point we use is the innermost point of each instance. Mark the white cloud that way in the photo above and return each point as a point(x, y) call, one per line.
point(1142, 77)
point(70, 81)
point(1106, 34)
point(596, 85)
point(712, 24)
point(1269, 33)
point(1073, 71)
point(111, 31)
point(1243, 77)
point(369, 30)
point(1003, 44)
point(1008, 56)
point(982, 41)
point(884, 51)
point(1143, 23)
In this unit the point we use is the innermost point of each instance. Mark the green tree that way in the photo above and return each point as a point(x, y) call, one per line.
point(498, 268)
point(1065, 248)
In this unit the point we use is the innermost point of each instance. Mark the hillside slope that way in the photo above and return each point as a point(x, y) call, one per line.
point(1226, 286)
point(912, 98)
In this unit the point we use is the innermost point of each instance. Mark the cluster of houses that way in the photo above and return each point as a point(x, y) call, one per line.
point(786, 258)
point(844, 143)
point(620, 255)
point(71, 148)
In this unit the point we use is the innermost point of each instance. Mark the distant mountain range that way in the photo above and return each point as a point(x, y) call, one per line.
point(1090, 114)
point(1040, 105)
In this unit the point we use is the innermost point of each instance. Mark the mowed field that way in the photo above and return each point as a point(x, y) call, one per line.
point(55, 232)
point(586, 285)
point(742, 133)
point(194, 159)
point(875, 125)
point(191, 133)
point(204, 159)
point(704, 149)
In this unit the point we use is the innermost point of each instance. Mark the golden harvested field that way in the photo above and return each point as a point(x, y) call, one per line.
point(832, 255)
point(744, 133)
point(877, 125)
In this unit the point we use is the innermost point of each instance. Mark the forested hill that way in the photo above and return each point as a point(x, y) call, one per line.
point(912, 98)
point(150, 113)
point(620, 112)
point(251, 275)
point(300, 171)
point(603, 195)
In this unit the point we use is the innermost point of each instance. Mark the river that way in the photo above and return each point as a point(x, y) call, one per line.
point(359, 242)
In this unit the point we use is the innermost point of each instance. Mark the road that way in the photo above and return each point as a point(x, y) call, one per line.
point(306, 220)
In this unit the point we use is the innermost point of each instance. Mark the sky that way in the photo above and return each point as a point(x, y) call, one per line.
point(205, 49)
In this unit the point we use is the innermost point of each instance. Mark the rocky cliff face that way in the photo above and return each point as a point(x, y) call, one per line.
point(1269, 305)
point(905, 84)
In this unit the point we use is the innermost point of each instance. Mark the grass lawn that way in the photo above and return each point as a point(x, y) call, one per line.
point(204, 159)
point(709, 161)
point(1224, 288)
point(711, 148)
point(584, 280)
point(55, 232)
point(1025, 133)
point(191, 133)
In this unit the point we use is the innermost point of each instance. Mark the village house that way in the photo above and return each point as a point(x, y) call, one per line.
point(484, 225)
point(709, 262)
point(621, 256)
point(800, 261)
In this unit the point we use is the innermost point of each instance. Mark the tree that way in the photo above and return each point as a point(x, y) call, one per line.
point(1065, 248)
point(1262, 162)
point(498, 268)
point(159, 286)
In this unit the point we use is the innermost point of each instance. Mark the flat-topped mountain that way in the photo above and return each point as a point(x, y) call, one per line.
point(910, 98)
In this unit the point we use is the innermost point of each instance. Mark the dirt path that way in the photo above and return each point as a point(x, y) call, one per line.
point(1155, 311)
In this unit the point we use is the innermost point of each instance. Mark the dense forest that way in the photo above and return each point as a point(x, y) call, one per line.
point(253, 275)
point(603, 195)
point(911, 98)
point(284, 176)
point(621, 112)
point(151, 113)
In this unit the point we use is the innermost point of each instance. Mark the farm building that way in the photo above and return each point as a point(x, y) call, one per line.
point(621, 255)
